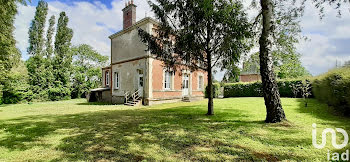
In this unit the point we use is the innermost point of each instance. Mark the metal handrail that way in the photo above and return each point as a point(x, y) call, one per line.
point(135, 94)
point(126, 95)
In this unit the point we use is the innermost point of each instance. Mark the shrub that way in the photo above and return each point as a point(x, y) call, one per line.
point(333, 88)
point(286, 90)
point(216, 90)
point(15, 88)
point(243, 90)
point(59, 93)
point(255, 89)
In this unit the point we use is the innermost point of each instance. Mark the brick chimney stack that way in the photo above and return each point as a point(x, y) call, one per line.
point(129, 14)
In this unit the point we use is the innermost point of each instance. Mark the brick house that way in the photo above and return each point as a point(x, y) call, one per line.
point(136, 73)
point(251, 74)
point(249, 77)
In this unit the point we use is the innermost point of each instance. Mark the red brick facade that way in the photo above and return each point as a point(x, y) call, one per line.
point(176, 90)
point(250, 77)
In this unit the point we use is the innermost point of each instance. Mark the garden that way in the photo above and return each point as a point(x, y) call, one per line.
point(75, 130)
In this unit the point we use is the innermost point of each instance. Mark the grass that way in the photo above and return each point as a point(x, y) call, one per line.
point(78, 131)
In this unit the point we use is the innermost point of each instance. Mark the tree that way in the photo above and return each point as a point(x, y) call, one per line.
point(36, 63)
point(16, 87)
point(198, 34)
point(86, 69)
point(50, 31)
point(271, 24)
point(9, 54)
point(274, 110)
point(279, 30)
point(232, 74)
point(305, 88)
point(286, 65)
point(49, 52)
point(337, 4)
point(63, 59)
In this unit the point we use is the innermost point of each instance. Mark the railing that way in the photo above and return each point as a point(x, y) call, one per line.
point(133, 96)
point(126, 96)
point(136, 95)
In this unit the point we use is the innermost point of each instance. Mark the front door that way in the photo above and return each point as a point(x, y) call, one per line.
point(140, 82)
point(185, 85)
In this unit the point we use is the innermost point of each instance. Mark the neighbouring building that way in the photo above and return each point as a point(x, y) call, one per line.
point(251, 74)
point(135, 74)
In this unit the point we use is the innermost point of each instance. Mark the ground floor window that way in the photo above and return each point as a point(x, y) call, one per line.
point(200, 82)
point(167, 80)
point(107, 78)
point(116, 80)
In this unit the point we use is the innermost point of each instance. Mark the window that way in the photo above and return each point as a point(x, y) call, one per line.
point(107, 78)
point(140, 79)
point(167, 80)
point(200, 82)
point(116, 80)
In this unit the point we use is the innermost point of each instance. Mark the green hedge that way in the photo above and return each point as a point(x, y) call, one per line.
point(255, 89)
point(216, 88)
point(333, 88)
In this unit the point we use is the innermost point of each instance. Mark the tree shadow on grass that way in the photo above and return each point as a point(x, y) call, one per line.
point(94, 103)
point(324, 114)
point(180, 133)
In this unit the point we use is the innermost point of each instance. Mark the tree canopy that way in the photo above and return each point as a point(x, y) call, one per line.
point(87, 64)
point(285, 65)
point(36, 50)
point(198, 34)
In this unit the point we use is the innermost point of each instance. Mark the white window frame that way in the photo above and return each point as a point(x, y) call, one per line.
point(116, 80)
point(107, 78)
point(200, 82)
point(168, 78)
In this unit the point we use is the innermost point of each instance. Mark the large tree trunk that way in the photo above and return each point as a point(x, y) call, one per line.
point(273, 105)
point(210, 87)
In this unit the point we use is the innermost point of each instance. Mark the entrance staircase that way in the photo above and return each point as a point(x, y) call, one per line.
point(133, 99)
point(186, 99)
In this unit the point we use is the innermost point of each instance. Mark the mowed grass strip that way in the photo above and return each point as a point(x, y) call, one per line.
point(75, 130)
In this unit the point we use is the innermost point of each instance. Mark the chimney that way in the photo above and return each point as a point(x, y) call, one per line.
point(129, 14)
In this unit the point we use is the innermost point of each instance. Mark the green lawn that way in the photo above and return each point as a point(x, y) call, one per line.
point(79, 131)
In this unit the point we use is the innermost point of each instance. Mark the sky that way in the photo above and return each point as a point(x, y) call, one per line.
point(94, 20)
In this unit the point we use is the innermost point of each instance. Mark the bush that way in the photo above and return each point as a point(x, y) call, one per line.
point(216, 90)
point(255, 89)
point(333, 88)
point(15, 89)
point(286, 90)
point(59, 93)
point(243, 90)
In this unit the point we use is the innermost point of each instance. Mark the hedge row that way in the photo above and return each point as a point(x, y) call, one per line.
point(255, 89)
point(216, 88)
point(333, 88)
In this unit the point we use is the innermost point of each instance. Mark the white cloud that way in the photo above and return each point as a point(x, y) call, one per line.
point(92, 23)
point(328, 39)
point(22, 23)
